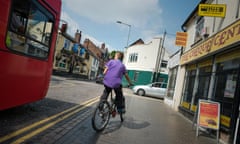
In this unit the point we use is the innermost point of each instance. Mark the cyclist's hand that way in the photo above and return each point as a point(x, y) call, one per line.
point(129, 85)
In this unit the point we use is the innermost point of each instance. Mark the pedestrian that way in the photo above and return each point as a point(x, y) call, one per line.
point(113, 74)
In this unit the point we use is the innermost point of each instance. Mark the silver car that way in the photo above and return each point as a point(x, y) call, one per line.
point(154, 89)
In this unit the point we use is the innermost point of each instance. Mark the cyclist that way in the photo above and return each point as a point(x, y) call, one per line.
point(113, 74)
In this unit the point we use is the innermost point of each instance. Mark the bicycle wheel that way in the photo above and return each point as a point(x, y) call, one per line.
point(101, 116)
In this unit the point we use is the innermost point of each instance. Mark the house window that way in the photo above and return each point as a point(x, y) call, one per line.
point(95, 62)
point(133, 57)
point(67, 44)
point(199, 28)
point(164, 64)
point(172, 82)
point(87, 56)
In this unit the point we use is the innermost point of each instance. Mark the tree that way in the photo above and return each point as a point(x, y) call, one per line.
point(112, 54)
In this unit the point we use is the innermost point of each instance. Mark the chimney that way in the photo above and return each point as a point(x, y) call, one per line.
point(64, 28)
point(86, 43)
point(103, 46)
point(78, 36)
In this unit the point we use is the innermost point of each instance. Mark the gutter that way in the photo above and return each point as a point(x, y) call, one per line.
point(191, 15)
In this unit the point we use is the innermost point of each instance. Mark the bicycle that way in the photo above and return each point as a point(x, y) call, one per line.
point(103, 112)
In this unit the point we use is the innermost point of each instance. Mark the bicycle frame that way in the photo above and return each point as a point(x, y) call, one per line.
point(102, 114)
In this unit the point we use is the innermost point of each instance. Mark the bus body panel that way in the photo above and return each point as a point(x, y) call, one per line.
point(24, 79)
point(4, 12)
point(21, 82)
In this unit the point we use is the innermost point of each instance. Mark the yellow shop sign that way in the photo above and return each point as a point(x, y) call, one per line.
point(212, 10)
point(227, 36)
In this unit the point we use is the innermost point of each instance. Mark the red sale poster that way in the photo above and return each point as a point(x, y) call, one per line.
point(209, 114)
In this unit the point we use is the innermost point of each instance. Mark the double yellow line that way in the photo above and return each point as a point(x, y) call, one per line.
point(67, 113)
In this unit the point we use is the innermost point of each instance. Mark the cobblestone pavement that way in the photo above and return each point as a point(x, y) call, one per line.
point(147, 121)
point(64, 117)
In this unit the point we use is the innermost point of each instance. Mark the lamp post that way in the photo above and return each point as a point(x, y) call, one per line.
point(129, 29)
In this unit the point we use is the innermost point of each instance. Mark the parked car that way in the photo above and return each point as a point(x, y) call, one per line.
point(157, 89)
point(99, 78)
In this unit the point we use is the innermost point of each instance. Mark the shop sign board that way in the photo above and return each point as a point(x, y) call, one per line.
point(181, 39)
point(208, 115)
point(227, 36)
point(212, 10)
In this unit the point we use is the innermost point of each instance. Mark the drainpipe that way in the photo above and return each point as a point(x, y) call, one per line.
point(161, 52)
point(157, 61)
point(184, 30)
point(237, 12)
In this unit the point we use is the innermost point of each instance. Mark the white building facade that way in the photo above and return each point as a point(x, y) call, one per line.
point(174, 68)
point(210, 67)
point(147, 63)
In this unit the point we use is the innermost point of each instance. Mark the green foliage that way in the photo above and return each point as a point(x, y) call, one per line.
point(112, 54)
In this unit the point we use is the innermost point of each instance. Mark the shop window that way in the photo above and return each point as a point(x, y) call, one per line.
point(30, 29)
point(203, 83)
point(225, 89)
point(189, 85)
point(226, 79)
point(172, 82)
point(87, 56)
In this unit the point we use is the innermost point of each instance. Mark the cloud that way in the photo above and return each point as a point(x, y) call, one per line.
point(144, 16)
point(169, 44)
point(137, 12)
point(72, 24)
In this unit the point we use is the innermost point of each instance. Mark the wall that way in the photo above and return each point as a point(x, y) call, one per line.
point(147, 55)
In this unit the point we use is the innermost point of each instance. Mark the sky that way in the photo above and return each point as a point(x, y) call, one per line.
point(97, 20)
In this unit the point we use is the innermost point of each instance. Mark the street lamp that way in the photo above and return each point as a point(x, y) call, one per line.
point(129, 29)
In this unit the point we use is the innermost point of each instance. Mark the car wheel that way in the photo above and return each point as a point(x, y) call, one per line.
point(141, 92)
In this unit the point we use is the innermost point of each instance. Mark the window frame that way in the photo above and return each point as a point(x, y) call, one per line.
point(30, 46)
point(198, 29)
point(187, 95)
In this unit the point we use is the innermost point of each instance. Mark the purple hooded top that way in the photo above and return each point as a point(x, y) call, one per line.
point(114, 74)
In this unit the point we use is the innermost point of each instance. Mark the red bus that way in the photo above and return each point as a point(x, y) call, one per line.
point(28, 33)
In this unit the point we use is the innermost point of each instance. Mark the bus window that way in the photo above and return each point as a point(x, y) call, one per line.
point(29, 29)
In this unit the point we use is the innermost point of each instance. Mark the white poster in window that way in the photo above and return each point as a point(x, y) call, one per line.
point(230, 86)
